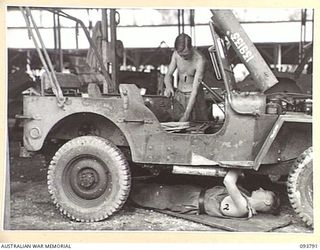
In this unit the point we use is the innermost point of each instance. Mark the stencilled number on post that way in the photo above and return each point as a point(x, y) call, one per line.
point(242, 47)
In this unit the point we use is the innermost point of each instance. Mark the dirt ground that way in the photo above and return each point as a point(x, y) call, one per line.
point(31, 207)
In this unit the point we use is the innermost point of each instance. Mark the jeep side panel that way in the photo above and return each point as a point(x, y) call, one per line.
point(149, 143)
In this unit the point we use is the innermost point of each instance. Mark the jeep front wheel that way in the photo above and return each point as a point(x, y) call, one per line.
point(300, 186)
point(89, 179)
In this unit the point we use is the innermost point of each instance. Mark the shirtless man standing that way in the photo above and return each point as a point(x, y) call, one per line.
point(190, 64)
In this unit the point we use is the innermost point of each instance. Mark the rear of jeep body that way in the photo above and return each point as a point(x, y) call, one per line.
point(89, 176)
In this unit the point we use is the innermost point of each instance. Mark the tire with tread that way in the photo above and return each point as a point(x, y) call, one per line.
point(300, 186)
point(89, 179)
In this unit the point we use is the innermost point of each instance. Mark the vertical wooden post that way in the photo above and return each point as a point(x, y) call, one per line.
point(105, 59)
point(7, 206)
point(113, 37)
point(60, 47)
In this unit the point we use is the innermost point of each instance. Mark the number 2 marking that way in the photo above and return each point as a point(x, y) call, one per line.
point(226, 207)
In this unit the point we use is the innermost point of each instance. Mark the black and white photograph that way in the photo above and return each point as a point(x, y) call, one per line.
point(159, 119)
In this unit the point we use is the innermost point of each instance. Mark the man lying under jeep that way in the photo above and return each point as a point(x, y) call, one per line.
point(218, 201)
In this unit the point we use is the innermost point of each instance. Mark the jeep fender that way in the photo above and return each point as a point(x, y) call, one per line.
point(128, 113)
point(290, 135)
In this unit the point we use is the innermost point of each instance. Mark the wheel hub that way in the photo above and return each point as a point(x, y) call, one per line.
point(88, 177)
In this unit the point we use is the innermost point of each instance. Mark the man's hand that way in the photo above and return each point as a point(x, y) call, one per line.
point(169, 92)
point(184, 118)
point(232, 176)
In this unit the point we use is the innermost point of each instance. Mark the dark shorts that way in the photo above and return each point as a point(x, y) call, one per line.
point(178, 198)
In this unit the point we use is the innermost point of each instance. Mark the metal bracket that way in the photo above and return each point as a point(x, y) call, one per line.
point(25, 117)
point(142, 121)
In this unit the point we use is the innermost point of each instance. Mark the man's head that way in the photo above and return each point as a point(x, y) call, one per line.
point(265, 201)
point(183, 46)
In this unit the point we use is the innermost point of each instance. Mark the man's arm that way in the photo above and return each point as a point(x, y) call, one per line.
point(168, 77)
point(230, 182)
point(195, 87)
